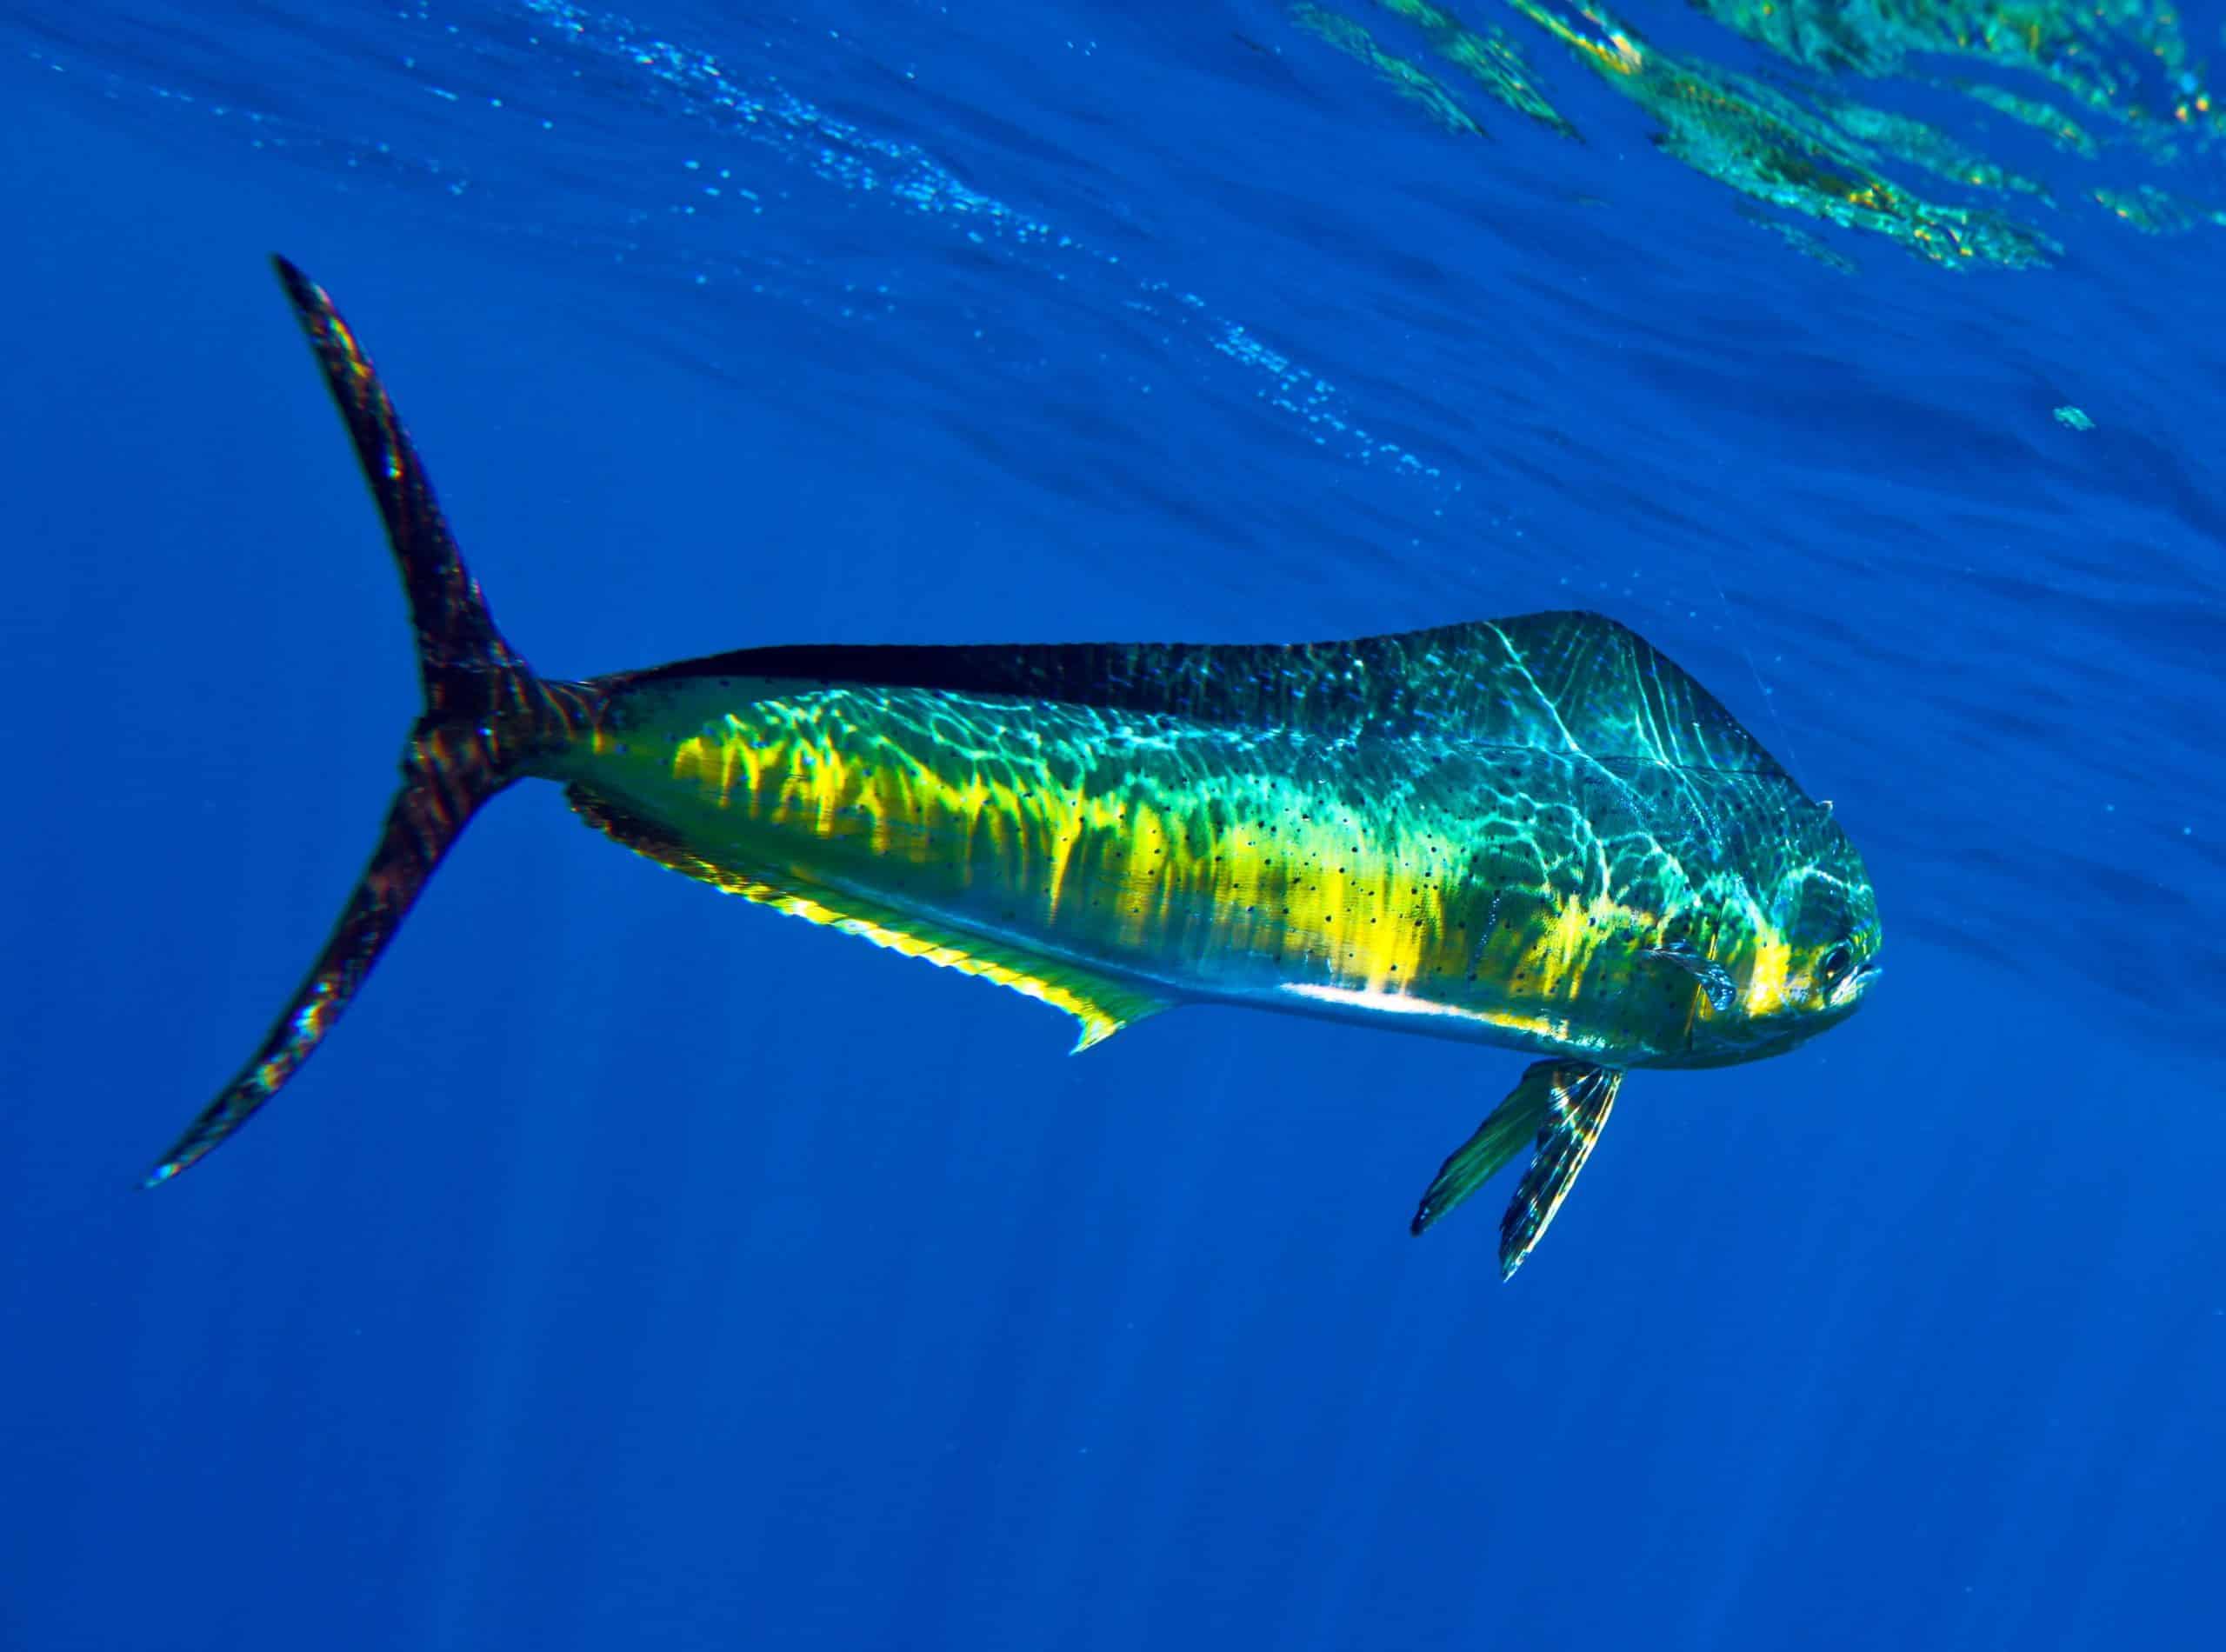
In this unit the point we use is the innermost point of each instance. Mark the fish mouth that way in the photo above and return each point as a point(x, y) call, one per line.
point(1850, 992)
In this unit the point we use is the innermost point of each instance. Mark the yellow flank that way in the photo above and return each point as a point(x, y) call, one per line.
point(1768, 988)
point(1143, 855)
point(1556, 1028)
point(1557, 960)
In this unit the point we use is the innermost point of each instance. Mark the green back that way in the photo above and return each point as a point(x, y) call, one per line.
point(1568, 681)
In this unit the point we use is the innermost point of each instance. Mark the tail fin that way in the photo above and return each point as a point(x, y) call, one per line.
point(484, 710)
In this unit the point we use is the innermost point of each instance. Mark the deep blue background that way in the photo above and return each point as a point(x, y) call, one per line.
point(636, 1269)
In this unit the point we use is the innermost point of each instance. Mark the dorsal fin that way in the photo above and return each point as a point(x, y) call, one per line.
point(1560, 682)
point(1621, 698)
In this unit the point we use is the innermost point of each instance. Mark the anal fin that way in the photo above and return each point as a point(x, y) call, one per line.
point(1559, 1107)
point(1101, 1004)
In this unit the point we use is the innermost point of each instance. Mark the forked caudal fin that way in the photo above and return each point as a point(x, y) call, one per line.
point(484, 710)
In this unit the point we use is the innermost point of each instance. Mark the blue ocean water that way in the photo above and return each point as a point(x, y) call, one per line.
point(637, 1269)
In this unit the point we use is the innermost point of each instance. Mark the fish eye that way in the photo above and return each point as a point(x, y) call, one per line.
point(1836, 961)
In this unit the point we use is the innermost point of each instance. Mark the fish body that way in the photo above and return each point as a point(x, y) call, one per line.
point(1534, 832)
point(1405, 829)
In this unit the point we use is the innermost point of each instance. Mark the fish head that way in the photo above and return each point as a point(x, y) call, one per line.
point(1803, 954)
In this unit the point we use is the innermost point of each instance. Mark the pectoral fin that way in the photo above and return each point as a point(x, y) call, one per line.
point(1511, 1126)
point(1714, 980)
point(1558, 1106)
point(1576, 1114)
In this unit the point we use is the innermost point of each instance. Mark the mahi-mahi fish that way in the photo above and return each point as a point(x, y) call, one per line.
point(1535, 833)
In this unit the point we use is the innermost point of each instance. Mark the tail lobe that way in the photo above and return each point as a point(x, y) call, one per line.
point(427, 815)
point(484, 711)
point(467, 668)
